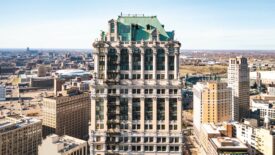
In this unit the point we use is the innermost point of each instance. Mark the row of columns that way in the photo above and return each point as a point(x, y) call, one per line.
point(130, 53)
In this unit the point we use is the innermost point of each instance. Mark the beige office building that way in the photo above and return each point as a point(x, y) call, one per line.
point(63, 145)
point(20, 136)
point(238, 80)
point(67, 115)
point(212, 103)
point(136, 92)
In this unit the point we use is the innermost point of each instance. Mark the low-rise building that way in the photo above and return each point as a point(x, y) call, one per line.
point(265, 108)
point(42, 82)
point(20, 135)
point(73, 73)
point(266, 77)
point(211, 130)
point(64, 145)
point(259, 140)
point(226, 146)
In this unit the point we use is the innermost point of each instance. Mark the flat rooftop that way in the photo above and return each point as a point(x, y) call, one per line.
point(226, 143)
point(260, 101)
point(67, 142)
point(11, 123)
point(72, 72)
point(211, 128)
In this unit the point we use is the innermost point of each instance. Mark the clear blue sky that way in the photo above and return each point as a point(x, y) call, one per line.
point(199, 24)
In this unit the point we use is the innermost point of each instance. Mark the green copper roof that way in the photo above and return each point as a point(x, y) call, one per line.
point(135, 28)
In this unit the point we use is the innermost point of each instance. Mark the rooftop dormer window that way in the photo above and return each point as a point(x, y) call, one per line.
point(148, 27)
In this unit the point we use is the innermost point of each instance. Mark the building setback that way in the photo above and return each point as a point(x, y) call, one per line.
point(136, 91)
point(20, 136)
point(67, 115)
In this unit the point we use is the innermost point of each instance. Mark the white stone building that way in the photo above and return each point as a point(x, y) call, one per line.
point(265, 108)
point(136, 90)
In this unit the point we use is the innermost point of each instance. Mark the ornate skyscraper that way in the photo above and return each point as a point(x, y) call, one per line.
point(136, 90)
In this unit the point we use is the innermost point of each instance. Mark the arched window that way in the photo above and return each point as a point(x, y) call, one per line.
point(124, 59)
point(148, 62)
point(160, 59)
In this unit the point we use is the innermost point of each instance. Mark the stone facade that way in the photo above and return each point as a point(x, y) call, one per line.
point(136, 91)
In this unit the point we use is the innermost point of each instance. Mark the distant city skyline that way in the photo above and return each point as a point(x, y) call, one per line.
point(247, 24)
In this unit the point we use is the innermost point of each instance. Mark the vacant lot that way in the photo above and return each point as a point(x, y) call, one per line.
point(210, 69)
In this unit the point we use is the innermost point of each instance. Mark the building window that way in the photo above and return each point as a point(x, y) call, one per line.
point(160, 59)
point(98, 147)
point(148, 109)
point(148, 62)
point(136, 59)
point(148, 126)
point(124, 76)
point(171, 76)
point(173, 109)
point(135, 91)
point(112, 27)
point(136, 148)
point(148, 27)
point(148, 76)
point(171, 63)
point(124, 109)
point(161, 148)
point(99, 109)
point(148, 148)
point(136, 126)
point(136, 109)
point(136, 76)
point(121, 76)
point(124, 60)
point(112, 59)
point(123, 91)
point(112, 38)
point(160, 109)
